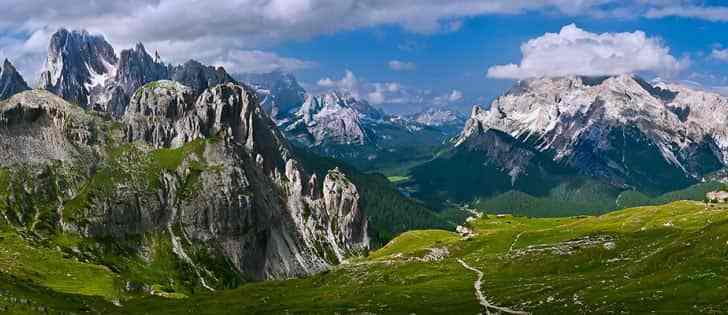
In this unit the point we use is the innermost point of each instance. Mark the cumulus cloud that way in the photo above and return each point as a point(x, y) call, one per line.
point(720, 54)
point(451, 97)
point(574, 51)
point(386, 93)
point(398, 65)
point(455, 96)
point(374, 92)
point(349, 84)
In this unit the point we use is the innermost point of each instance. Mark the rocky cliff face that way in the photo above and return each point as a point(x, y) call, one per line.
point(622, 129)
point(136, 68)
point(279, 93)
point(11, 82)
point(210, 173)
point(84, 69)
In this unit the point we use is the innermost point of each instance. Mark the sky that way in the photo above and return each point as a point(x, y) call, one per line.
point(402, 56)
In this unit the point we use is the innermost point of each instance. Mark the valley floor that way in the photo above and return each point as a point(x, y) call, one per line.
point(664, 259)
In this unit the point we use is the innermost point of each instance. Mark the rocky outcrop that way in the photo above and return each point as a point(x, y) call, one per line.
point(11, 82)
point(208, 172)
point(198, 76)
point(37, 127)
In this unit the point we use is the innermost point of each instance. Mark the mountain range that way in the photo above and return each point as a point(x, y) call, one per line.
point(597, 143)
point(84, 69)
point(129, 185)
point(583, 140)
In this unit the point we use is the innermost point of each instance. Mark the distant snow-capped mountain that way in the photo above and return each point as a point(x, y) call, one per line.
point(279, 92)
point(339, 125)
point(620, 131)
point(333, 118)
point(586, 123)
point(439, 117)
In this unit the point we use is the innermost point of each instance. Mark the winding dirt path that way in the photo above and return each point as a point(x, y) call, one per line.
point(481, 297)
point(510, 249)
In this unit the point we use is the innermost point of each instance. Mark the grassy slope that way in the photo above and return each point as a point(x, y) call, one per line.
point(35, 279)
point(670, 258)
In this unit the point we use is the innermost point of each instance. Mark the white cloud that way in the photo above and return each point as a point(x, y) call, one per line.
point(574, 51)
point(377, 93)
point(398, 65)
point(709, 13)
point(451, 97)
point(183, 29)
point(256, 61)
point(720, 54)
point(455, 96)
point(349, 84)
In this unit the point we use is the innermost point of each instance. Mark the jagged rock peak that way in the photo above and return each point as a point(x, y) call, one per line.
point(83, 69)
point(77, 63)
point(137, 67)
point(167, 114)
point(198, 76)
point(11, 82)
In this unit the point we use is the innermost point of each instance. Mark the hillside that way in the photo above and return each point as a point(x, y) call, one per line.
point(573, 265)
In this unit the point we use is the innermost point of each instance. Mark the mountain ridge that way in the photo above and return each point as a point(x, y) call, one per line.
point(84, 69)
point(620, 131)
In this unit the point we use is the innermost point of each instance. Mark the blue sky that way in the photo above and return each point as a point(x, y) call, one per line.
point(450, 53)
point(459, 60)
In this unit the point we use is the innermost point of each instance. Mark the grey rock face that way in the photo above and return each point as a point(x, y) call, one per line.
point(37, 126)
point(136, 68)
point(211, 171)
point(198, 76)
point(333, 118)
point(279, 92)
point(11, 82)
